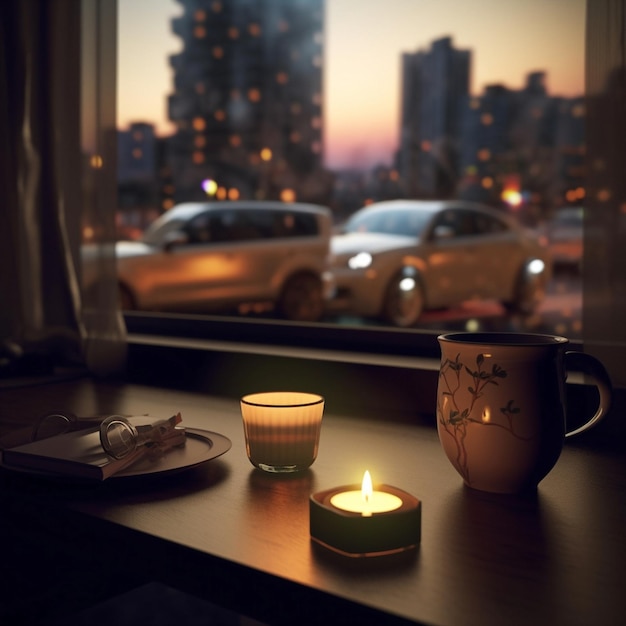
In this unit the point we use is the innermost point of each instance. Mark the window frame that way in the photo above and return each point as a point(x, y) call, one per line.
point(371, 344)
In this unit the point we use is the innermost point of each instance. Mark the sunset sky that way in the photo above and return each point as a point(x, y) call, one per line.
point(364, 43)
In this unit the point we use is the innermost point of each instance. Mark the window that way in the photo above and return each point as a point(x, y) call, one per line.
point(484, 159)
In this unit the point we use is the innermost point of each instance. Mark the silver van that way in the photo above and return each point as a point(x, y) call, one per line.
point(241, 256)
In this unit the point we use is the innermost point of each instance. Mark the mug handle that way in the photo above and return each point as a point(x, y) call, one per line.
point(587, 364)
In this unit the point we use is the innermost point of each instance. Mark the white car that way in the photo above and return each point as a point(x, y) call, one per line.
point(395, 259)
point(243, 256)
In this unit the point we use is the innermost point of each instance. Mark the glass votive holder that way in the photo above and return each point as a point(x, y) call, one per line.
point(282, 429)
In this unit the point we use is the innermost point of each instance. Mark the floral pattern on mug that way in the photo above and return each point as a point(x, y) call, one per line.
point(461, 414)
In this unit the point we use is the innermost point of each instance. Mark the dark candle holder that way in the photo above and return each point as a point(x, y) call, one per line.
point(359, 535)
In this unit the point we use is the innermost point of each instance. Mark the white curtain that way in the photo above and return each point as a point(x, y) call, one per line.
point(57, 182)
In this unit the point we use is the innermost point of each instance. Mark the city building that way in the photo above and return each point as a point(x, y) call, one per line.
point(434, 83)
point(523, 148)
point(139, 186)
point(518, 148)
point(248, 102)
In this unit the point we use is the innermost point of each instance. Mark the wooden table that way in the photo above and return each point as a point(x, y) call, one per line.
point(236, 536)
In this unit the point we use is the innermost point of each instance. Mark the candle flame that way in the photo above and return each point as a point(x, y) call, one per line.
point(366, 487)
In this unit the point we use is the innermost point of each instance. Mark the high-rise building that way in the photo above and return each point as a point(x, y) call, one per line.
point(247, 100)
point(524, 141)
point(139, 152)
point(434, 85)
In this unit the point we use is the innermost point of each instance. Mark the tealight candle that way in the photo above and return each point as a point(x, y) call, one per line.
point(366, 501)
point(365, 521)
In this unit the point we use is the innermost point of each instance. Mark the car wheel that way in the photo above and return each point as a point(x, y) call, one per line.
point(127, 302)
point(530, 291)
point(404, 300)
point(302, 299)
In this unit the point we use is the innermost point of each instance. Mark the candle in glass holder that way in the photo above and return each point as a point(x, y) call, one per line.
point(282, 429)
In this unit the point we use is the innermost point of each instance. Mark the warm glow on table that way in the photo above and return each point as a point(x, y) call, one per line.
point(367, 501)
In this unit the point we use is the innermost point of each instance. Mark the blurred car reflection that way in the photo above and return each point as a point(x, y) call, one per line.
point(565, 237)
point(395, 259)
point(243, 256)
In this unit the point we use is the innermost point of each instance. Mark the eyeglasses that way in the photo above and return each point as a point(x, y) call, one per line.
point(118, 436)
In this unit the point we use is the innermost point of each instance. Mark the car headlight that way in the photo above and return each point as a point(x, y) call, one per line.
point(360, 261)
point(407, 284)
point(536, 266)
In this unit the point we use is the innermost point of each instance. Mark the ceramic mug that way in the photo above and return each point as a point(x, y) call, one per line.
point(501, 414)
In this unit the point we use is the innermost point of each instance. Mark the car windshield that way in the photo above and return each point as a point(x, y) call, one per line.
point(157, 232)
point(406, 222)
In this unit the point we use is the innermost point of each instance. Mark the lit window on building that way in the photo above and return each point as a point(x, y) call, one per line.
point(216, 7)
point(197, 157)
point(137, 153)
point(233, 32)
point(169, 190)
point(137, 135)
point(316, 147)
point(220, 115)
point(254, 158)
point(484, 154)
point(254, 95)
point(294, 136)
point(200, 88)
point(317, 99)
point(199, 32)
point(199, 123)
point(487, 182)
point(96, 161)
point(425, 145)
point(199, 141)
point(604, 195)
point(167, 204)
point(316, 122)
point(218, 52)
point(394, 175)
point(254, 30)
point(474, 103)
point(288, 195)
point(486, 119)
point(265, 154)
point(199, 15)
point(235, 141)
point(578, 110)
point(282, 78)
point(570, 195)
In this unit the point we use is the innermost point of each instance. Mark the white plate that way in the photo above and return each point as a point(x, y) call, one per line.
point(200, 446)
